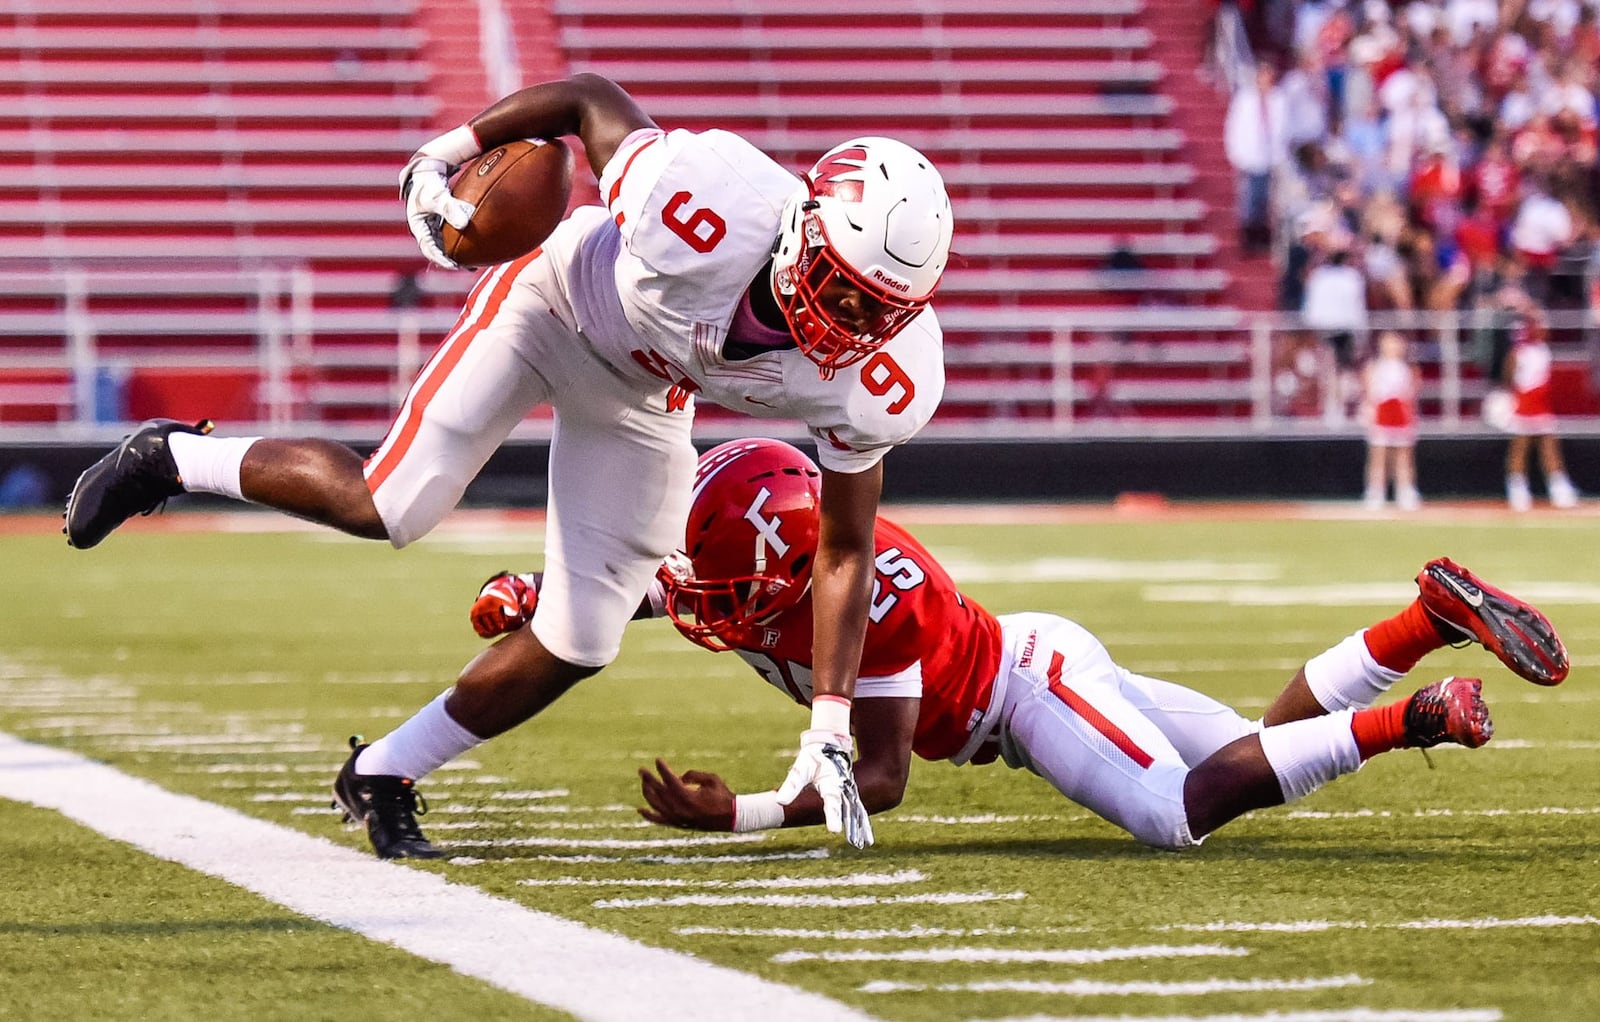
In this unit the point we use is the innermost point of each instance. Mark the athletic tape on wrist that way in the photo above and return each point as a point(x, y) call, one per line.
point(760, 811)
point(831, 713)
point(456, 146)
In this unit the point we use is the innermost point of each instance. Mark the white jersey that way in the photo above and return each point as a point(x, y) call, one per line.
point(693, 219)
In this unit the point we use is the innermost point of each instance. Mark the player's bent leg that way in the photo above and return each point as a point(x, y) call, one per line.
point(509, 683)
point(1067, 721)
point(486, 376)
point(1196, 724)
point(319, 480)
point(1235, 780)
point(502, 687)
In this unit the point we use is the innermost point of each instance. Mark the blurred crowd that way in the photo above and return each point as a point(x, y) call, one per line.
point(1432, 154)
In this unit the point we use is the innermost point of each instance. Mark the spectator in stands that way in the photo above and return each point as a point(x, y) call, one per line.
point(1481, 120)
point(1389, 387)
point(1336, 307)
point(1227, 59)
point(1543, 226)
point(1255, 139)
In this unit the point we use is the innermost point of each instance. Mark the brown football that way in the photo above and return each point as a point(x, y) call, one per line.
point(521, 191)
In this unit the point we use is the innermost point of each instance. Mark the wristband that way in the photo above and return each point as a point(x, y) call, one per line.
point(756, 812)
point(831, 713)
point(456, 146)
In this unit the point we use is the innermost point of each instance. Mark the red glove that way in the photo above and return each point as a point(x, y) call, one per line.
point(505, 603)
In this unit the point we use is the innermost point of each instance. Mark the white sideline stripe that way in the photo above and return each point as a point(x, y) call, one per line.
point(1096, 988)
point(558, 962)
point(1336, 1015)
point(1007, 956)
point(904, 876)
point(1322, 925)
point(809, 900)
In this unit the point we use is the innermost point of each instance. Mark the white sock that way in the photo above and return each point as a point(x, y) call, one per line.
point(430, 739)
point(1306, 754)
point(210, 464)
point(1346, 677)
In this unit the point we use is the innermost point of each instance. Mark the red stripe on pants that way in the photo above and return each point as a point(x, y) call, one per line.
point(1094, 717)
point(405, 430)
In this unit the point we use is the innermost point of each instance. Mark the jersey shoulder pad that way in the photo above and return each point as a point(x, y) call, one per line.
point(880, 402)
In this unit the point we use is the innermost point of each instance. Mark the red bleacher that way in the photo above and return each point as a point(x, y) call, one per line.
point(233, 145)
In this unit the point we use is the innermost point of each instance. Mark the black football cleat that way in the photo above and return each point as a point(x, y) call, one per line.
point(134, 479)
point(1451, 710)
point(387, 806)
point(1511, 629)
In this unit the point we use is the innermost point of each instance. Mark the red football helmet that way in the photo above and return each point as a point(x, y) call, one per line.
point(749, 544)
point(861, 247)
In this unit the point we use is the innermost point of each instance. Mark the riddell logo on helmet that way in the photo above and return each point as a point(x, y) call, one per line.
point(883, 278)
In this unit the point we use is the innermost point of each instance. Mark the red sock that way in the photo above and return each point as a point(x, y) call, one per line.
point(1379, 729)
point(1400, 641)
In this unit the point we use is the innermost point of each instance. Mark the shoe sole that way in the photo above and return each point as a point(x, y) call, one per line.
point(1519, 635)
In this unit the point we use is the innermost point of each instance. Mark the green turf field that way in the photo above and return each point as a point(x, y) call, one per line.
point(232, 667)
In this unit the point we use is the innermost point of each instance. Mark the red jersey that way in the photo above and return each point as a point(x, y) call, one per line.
point(924, 639)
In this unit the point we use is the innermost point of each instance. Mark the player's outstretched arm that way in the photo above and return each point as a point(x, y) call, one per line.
point(697, 800)
point(593, 108)
point(841, 592)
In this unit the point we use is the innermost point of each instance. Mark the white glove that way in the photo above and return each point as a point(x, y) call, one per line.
point(824, 763)
point(425, 187)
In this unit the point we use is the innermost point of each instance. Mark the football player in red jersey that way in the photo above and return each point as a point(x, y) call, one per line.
point(945, 679)
point(711, 272)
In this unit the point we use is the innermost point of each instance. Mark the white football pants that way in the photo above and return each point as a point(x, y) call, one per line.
point(621, 463)
point(1117, 743)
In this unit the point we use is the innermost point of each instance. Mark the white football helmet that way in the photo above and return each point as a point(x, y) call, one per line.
point(861, 248)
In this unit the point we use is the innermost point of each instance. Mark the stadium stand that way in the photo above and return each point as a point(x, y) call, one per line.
point(168, 196)
point(1072, 186)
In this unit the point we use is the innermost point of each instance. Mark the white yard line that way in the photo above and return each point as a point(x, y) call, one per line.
point(1009, 956)
point(1097, 988)
point(1350, 594)
point(1335, 1015)
point(905, 933)
point(615, 843)
point(810, 900)
point(1323, 925)
point(544, 958)
point(1381, 814)
point(903, 876)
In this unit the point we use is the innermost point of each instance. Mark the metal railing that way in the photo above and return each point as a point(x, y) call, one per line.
point(68, 338)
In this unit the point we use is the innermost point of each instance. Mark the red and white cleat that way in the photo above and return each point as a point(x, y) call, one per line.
point(1451, 710)
point(1511, 629)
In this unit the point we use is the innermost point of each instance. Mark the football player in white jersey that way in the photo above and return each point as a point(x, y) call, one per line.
point(710, 272)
